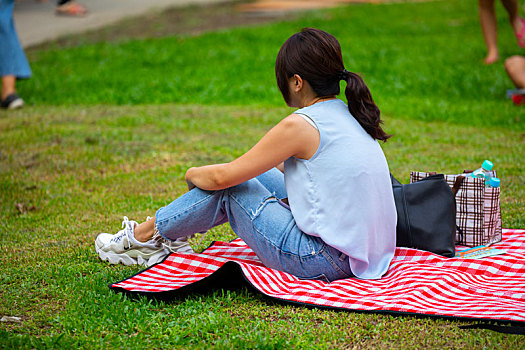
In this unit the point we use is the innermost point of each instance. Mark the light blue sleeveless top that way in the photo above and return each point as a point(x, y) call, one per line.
point(343, 193)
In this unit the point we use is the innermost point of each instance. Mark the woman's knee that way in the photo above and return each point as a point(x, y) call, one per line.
point(273, 181)
point(514, 63)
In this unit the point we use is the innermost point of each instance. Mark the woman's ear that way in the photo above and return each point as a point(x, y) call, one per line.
point(298, 83)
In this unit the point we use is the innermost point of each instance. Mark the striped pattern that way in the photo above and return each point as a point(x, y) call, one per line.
point(417, 281)
point(478, 212)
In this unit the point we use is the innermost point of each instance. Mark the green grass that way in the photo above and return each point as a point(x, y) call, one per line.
point(111, 129)
point(82, 169)
point(421, 60)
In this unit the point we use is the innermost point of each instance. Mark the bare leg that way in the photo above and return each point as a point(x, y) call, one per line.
point(515, 20)
point(144, 232)
point(8, 85)
point(515, 67)
point(488, 21)
point(512, 9)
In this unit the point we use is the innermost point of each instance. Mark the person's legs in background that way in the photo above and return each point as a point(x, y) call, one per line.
point(515, 67)
point(517, 23)
point(70, 8)
point(487, 16)
point(13, 62)
point(9, 97)
point(8, 85)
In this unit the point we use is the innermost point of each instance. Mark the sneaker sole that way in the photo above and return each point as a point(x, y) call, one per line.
point(114, 259)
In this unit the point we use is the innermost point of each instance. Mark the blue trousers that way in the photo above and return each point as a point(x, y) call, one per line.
point(13, 60)
point(258, 216)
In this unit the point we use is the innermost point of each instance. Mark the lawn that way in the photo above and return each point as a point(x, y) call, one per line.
point(111, 127)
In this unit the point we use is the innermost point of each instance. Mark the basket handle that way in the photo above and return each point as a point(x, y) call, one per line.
point(457, 184)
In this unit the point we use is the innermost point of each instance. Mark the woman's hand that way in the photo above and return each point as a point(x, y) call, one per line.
point(206, 177)
point(191, 185)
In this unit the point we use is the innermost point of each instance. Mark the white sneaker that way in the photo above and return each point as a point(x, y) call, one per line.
point(122, 247)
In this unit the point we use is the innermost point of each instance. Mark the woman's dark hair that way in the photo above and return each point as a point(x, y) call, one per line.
point(316, 57)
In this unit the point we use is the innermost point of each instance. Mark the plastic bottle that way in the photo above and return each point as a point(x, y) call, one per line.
point(493, 182)
point(484, 171)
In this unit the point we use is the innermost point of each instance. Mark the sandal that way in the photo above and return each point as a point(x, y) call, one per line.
point(520, 36)
point(71, 8)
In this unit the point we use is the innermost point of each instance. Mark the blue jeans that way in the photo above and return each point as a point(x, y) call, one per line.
point(258, 216)
point(13, 60)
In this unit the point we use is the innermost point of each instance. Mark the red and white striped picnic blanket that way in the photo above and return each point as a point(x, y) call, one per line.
point(417, 282)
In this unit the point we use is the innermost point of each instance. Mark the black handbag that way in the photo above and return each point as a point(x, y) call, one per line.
point(426, 215)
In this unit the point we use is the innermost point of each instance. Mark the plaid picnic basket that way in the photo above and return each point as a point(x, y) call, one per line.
point(478, 213)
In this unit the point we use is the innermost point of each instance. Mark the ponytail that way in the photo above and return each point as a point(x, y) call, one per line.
point(362, 105)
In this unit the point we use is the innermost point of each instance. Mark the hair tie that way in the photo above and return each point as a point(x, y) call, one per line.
point(344, 75)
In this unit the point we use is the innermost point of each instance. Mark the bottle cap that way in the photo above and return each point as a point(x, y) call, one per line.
point(487, 165)
point(494, 182)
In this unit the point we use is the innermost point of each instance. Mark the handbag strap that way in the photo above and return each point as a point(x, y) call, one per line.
point(455, 189)
point(457, 184)
point(460, 231)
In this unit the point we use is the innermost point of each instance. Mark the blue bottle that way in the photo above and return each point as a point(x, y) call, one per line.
point(493, 182)
point(484, 171)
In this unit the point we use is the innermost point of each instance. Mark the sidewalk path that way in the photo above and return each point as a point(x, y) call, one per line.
point(36, 22)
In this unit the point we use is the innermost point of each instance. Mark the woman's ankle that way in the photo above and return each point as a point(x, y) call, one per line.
point(144, 231)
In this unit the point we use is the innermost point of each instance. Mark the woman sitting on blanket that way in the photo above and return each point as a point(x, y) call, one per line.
point(312, 198)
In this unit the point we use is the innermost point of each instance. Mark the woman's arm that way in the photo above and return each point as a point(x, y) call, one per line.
point(293, 136)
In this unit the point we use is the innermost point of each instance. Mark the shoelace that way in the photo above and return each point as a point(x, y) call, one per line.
point(128, 229)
